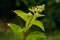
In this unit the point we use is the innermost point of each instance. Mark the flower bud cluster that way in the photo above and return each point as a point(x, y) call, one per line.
point(37, 8)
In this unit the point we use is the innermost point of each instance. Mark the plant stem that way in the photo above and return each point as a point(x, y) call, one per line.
point(30, 21)
point(28, 26)
point(25, 34)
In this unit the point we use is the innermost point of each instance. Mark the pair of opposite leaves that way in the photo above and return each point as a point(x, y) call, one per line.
point(30, 20)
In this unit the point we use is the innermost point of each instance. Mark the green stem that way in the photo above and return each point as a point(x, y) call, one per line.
point(28, 26)
point(31, 20)
point(25, 35)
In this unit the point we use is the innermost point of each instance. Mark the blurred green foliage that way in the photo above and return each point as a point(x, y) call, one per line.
point(8, 35)
point(51, 20)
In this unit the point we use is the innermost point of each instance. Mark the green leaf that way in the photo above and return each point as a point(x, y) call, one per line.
point(35, 35)
point(30, 22)
point(17, 30)
point(23, 15)
point(40, 15)
point(33, 21)
point(39, 24)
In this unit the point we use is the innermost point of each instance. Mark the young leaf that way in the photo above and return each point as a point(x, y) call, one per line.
point(40, 15)
point(33, 21)
point(29, 23)
point(23, 15)
point(16, 29)
point(35, 35)
point(39, 24)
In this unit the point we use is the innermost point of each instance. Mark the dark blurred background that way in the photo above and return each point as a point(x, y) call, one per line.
point(51, 20)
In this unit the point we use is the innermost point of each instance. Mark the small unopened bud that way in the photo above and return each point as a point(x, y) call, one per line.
point(29, 13)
